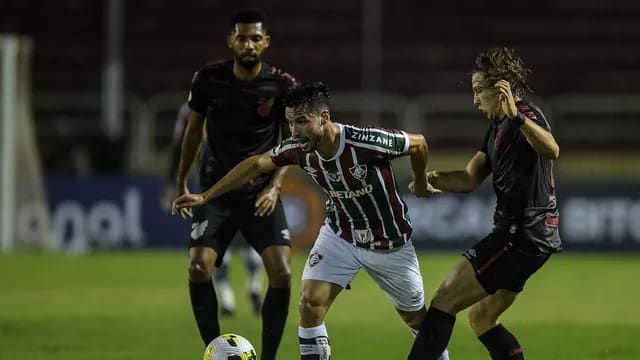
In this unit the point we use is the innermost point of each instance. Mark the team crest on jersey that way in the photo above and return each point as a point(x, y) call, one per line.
point(264, 106)
point(335, 177)
point(314, 258)
point(359, 171)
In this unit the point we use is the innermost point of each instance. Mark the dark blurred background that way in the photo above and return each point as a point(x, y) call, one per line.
point(108, 78)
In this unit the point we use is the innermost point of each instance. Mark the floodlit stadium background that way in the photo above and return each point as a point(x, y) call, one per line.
point(106, 278)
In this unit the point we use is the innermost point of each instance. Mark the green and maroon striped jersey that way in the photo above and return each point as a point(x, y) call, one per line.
point(364, 205)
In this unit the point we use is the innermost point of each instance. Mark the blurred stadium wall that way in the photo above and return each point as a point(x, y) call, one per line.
point(107, 78)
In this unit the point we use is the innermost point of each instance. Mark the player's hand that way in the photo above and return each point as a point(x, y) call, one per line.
point(181, 190)
point(186, 202)
point(166, 198)
point(426, 190)
point(507, 102)
point(431, 176)
point(266, 201)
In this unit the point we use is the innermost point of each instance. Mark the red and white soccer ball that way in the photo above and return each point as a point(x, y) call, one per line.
point(230, 347)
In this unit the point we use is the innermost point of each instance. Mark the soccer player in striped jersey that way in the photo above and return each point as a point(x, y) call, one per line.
point(367, 225)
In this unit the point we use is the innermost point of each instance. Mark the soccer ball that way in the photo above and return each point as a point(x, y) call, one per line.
point(230, 347)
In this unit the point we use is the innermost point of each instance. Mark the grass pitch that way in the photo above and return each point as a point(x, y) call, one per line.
point(136, 306)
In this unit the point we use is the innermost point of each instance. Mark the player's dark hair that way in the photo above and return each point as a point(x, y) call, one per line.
point(247, 15)
point(502, 63)
point(313, 94)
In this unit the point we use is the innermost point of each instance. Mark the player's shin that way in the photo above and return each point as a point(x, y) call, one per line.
point(501, 343)
point(431, 342)
point(445, 353)
point(205, 309)
point(314, 343)
point(274, 317)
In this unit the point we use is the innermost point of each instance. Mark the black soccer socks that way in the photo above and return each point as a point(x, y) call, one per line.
point(502, 345)
point(205, 309)
point(434, 335)
point(274, 317)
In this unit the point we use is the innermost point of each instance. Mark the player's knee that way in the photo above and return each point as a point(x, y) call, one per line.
point(481, 318)
point(281, 278)
point(446, 298)
point(199, 271)
point(311, 307)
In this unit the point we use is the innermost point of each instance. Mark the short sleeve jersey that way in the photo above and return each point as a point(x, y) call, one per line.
point(364, 206)
point(244, 118)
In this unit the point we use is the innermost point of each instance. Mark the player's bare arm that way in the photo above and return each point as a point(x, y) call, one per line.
point(268, 197)
point(540, 139)
point(462, 181)
point(418, 150)
point(241, 174)
point(191, 141)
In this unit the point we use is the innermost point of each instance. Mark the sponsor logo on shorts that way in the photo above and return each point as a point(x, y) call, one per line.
point(285, 234)
point(417, 297)
point(470, 253)
point(197, 229)
point(314, 258)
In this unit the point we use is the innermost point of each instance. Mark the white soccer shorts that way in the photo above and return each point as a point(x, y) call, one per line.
point(396, 271)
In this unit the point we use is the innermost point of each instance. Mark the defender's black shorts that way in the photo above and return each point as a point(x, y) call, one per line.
point(215, 224)
point(504, 260)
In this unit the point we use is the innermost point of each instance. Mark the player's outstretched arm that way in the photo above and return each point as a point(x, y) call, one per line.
point(268, 197)
point(418, 150)
point(462, 181)
point(241, 174)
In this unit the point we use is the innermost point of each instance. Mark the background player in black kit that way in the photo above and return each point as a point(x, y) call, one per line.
point(518, 150)
point(221, 279)
point(241, 100)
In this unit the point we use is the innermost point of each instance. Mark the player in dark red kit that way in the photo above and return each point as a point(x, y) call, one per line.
point(241, 100)
point(518, 150)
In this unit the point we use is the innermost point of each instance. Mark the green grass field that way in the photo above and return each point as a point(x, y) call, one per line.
point(135, 306)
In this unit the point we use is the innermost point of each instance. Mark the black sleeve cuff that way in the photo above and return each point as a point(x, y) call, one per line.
point(519, 119)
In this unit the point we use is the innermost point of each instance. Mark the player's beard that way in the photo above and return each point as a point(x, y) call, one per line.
point(248, 61)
